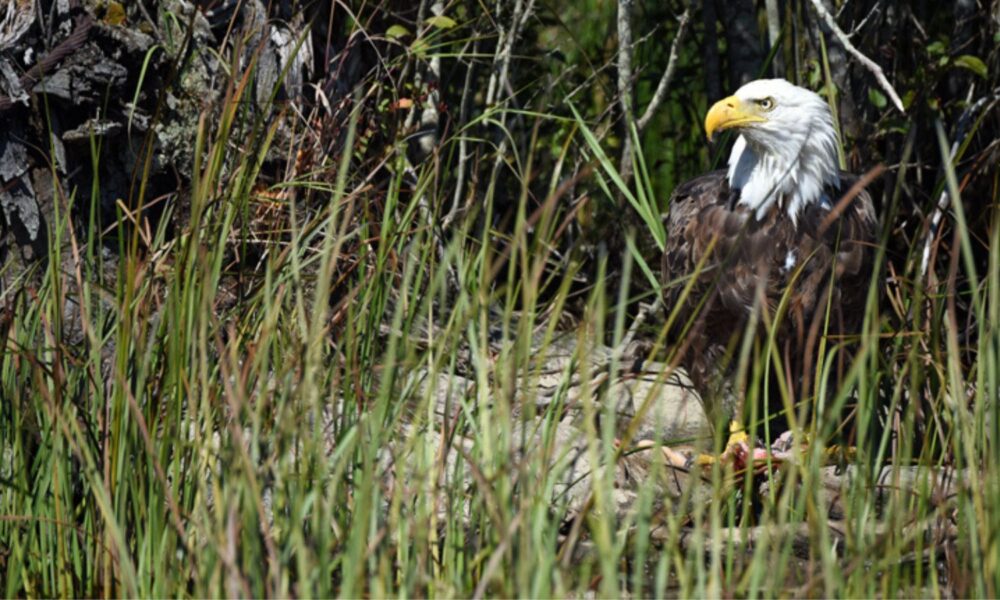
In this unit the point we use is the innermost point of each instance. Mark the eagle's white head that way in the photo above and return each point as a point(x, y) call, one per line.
point(787, 148)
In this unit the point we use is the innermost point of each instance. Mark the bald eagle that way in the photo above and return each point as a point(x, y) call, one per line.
point(783, 231)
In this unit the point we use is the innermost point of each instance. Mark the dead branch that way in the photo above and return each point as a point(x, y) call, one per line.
point(944, 200)
point(505, 47)
point(463, 142)
point(625, 93)
point(868, 63)
point(668, 75)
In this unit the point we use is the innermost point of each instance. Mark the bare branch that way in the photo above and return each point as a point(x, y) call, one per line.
point(668, 74)
point(501, 64)
point(944, 200)
point(876, 9)
point(463, 142)
point(505, 47)
point(864, 60)
point(625, 83)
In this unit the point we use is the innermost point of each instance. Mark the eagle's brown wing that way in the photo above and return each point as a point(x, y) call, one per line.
point(704, 225)
point(850, 236)
point(718, 244)
point(739, 263)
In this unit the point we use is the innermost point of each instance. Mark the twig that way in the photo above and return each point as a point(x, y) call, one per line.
point(505, 47)
point(874, 11)
point(645, 310)
point(625, 165)
point(864, 60)
point(418, 75)
point(964, 121)
point(501, 65)
point(668, 75)
point(463, 143)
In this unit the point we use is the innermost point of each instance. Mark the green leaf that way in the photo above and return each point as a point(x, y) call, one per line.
point(877, 98)
point(936, 48)
point(972, 63)
point(441, 22)
point(645, 209)
point(396, 32)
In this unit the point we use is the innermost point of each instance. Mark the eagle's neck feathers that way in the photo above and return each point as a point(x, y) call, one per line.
point(791, 164)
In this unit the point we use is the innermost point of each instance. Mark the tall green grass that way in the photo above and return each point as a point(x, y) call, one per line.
point(185, 421)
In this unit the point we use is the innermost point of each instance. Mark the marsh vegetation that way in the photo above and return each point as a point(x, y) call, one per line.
point(345, 298)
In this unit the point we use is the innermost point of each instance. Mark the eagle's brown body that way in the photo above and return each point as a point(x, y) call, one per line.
point(753, 263)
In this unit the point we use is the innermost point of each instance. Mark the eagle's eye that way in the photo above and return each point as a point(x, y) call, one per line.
point(766, 103)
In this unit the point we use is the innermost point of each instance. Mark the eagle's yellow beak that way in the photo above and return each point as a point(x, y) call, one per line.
point(728, 113)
